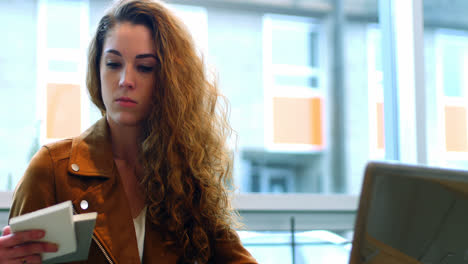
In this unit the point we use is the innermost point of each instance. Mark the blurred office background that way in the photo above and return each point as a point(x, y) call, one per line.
point(306, 81)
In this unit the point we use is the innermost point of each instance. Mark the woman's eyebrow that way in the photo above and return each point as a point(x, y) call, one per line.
point(139, 56)
point(146, 55)
point(113, 51)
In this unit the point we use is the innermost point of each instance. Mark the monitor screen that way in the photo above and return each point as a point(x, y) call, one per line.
point(416, 219)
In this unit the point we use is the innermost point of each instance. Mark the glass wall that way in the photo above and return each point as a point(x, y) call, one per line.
point(276, 65)
point(42, 69)
point(19, 128)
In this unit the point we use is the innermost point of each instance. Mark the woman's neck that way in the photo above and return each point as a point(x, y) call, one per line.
point(124, 142)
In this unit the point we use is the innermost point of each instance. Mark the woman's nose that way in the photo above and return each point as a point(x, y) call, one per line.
point(127, 78)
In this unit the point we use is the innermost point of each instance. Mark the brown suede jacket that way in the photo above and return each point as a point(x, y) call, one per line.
point(83, 169)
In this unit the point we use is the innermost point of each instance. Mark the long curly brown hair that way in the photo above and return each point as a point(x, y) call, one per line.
point(187, 166)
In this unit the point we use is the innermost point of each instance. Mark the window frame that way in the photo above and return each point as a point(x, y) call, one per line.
point(402, 27)
point(449, 37)
point(272, 90)
point(45, 76)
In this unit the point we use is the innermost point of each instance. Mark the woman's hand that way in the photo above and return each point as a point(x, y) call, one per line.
point(20, 248)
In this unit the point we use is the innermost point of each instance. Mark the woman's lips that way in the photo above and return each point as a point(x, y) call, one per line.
point(125, 102)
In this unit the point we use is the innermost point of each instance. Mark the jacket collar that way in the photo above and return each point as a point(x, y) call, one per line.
point(91, 152)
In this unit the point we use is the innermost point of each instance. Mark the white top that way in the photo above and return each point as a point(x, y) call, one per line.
point(139, 223)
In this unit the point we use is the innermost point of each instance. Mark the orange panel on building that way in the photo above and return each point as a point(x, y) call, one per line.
point(316, 122)
point(63, 110)
point(297, 121)
point(455, 129)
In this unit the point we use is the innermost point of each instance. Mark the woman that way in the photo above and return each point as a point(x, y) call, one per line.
point(155, 166)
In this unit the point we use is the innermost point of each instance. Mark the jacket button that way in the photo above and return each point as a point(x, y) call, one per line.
point(75, 167)
point(84, 204)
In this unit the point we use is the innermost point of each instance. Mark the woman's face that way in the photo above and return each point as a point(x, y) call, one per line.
point(127, 71)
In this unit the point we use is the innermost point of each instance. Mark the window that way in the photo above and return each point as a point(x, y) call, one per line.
point(273, 68)
point(290, 157)
point(63, 104)
point(293, 84)
point(452, 86)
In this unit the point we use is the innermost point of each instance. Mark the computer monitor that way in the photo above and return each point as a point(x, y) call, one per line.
point(411, 214)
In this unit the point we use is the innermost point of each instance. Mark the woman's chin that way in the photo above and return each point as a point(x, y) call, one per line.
point(125, 120)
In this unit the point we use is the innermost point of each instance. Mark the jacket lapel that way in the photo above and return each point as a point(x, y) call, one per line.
point(91, 161)
point(92, 152)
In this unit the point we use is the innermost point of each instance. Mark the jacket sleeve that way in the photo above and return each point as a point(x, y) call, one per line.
point(231, 251)
point(36, 188)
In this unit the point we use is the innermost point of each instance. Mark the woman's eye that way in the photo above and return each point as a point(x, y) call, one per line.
point(113, 65)
point(143, 68)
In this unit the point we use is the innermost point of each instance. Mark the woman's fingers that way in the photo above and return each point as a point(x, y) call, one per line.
point(34, 259)
point(18, 238)
point(26, 253)
point(28, 249)
point(6, 230)
point(22, 246)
